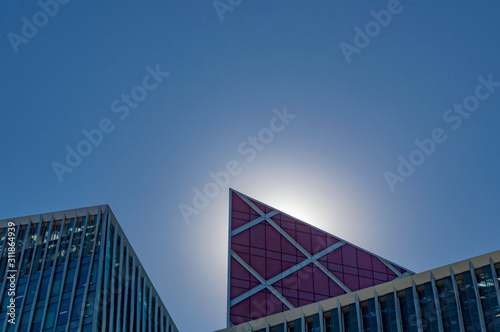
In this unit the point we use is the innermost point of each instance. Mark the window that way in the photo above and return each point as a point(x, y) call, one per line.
point(408, 314)
point(332, 323)
point(30, 294)
point(89, 307)
point(428, 307)
point(350, 318)
point(313, 324)
point(51, 316)
point(489, 302)
point(369, 315)
point(63, 312)
point(70, 276)
point(83, 274)
point(37, 320)
point(468, 302)
point(77, 308)
point(388, 311)
point(448, 304)
point(56, 284)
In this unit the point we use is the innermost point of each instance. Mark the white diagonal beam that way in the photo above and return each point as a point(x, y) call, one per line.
point(390, 266)
point(280, 297)
point(305, 262)
point(308, 255)
point(249, 202)
point(288, 272)
point(289, 238)
point(328, 250)
point(247, 294)
point(262, 285)
point(333, 277)
point(248, 267)
point(253, 223)
point(271, 281)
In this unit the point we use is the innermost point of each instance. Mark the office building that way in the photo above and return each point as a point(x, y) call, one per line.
point(75, 270)
point(460, 297)
point(287, 276)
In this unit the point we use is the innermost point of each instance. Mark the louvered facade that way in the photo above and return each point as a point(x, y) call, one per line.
point(75, 271)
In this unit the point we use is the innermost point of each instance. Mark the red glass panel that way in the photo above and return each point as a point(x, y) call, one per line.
point(242, 238)
point(349, 255)
point(304, 239)
point(269, 253)
point(364, 260)
point(262, 207)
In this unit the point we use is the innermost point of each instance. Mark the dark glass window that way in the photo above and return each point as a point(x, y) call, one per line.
point(489, 301)
point(95, 270)
point(146, 307)
point(56, 284)
point(30, 294)
point(448, 305)
point(77, 308)
point(89, 307)
point(75, 246)
point(297, 326)
point(56, 229)
point(37, 260)
point(428, 307)
point(19, 293)
point(25, 267)
point(350, 319)
point(86, 242)
point(369, 315)
point(49, 258)
point(468, 302)
point(37, 320)
point(83, 275)
point(63, 312)
point(70, 277)
point(332, 323)
point(151, 312)
point(98, 239)
point(62, 250)
point(24, 321)
point(314, 326)
point(51, 316)
point(388, 310)
point(139, 296)
point(408, 314)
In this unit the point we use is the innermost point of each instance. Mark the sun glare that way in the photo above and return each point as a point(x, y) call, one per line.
point(313, 198)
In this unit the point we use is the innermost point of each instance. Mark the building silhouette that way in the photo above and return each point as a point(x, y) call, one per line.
point(287, 276)
point(75, 271)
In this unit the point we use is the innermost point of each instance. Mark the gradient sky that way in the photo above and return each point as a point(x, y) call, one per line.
point(353, 122)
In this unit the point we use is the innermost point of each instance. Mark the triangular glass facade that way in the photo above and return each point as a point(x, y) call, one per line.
point(279, 263)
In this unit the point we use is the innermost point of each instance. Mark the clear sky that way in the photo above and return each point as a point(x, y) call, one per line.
point(313, 107)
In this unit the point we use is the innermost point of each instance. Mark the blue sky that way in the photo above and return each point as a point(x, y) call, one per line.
point(350, 118)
